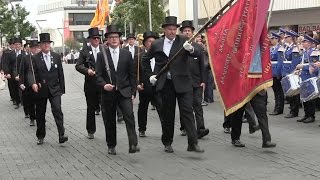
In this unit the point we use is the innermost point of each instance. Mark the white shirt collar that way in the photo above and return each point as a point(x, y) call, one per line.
point(97, 48)
point(116, 49)
point(46, 54)
point(166, 40)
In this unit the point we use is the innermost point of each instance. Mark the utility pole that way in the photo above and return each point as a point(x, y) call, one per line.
point(150, 18)
point(195, 14)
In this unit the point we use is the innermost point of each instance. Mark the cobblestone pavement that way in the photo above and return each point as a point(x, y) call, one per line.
point(297, 155)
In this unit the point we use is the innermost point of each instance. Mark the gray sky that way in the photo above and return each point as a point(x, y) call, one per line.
point(31, 6)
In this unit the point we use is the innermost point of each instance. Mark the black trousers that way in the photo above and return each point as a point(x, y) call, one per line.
point(168, 108)
point(197, 109)
point(41, 107)
point(14, 90)
point(294, 102)
point(29, 105)
point(92, 98)
point(145, 97)
point(258, 104)
point(309, 108)
point(248, 114)
point(109, 104)
point(278, 95)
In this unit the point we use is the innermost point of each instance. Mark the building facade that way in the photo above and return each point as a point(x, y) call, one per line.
point(302, 15)
point(66, 19)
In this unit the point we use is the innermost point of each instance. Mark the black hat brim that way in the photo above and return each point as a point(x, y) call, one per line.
point(45, 41)
point(106, 34)
point(98, 35)
point(165, 25)
point(183, 27)
point(144, 40)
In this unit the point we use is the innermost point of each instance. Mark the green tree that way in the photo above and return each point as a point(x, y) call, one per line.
point(136, 11)
point(71, 43)
point(9, 19)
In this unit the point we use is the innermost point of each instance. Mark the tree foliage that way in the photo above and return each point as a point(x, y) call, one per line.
point(10, 18)
point(71, 43)
point(136, 11)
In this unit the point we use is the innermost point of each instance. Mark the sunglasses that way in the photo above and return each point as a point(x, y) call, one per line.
point(95, 37)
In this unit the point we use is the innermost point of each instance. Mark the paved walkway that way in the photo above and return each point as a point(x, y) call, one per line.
point(297, 155)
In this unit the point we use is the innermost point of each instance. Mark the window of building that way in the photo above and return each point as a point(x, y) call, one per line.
point(81, 35)
point(80, 18)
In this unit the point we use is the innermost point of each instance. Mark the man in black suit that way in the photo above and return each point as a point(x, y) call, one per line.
point(147, 92)
point(86, 65)
point(197, 70)
point(27, 94)
point(116, 77)
point(175, 83)
point(48, 73)
point(131, 39)
point(12, 67)
point(5, 59)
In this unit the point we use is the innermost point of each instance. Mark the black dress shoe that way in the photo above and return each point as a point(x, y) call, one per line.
point(183, 132)
point(168, 149)
point(112, 151)
point(237, 143)
point(17, 106)
point(227, 130)
point(97, 112)
point(302, 119)
point(309, 120)
point(275, 113)
point(254, 129)
point(142, 134)
point(26, 116)
point(32, 122)
point(40, 141)
point(134, 149)
point(268, 144)
point(195, 148)
point(202, 133)
point(120, 120)
point(291, 116)
point(63, 139)
point(90, 136)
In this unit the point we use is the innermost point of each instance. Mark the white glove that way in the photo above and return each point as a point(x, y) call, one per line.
point(153, 80)
point(22, 87)
point(187, 46)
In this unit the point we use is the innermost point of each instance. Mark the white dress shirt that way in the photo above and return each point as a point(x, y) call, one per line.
point(47, 60)
point(95, 52)
point(167, 46)
point(115, 56)
point(132, 49)
point(18, 52)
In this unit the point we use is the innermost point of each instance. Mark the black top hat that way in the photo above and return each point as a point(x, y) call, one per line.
point(131, 36)
point(149, 34)
point(45, 37)
point(186, 24)
point(170, 20)
point(93, 32)
point(18, 40)
point(112, 29)
point(33, 43)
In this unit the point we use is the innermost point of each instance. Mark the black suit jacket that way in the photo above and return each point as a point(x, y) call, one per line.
point(124, 79)
point(5, 61)
point(23, 70)
point(197, 67)
point(52, 81)
point(179, 69)
point(12, 63)
point(85, 62)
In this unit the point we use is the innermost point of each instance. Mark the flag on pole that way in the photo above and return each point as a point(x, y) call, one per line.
point(102, 11)
point(239, 53)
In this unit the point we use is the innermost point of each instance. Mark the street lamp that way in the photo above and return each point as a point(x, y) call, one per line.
point(62, 37)
point(40, 20)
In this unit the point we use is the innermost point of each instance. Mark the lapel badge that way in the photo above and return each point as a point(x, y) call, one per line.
point(90, 52)
point(56, 66)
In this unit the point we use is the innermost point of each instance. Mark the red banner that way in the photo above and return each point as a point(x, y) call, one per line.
point(239, 53)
